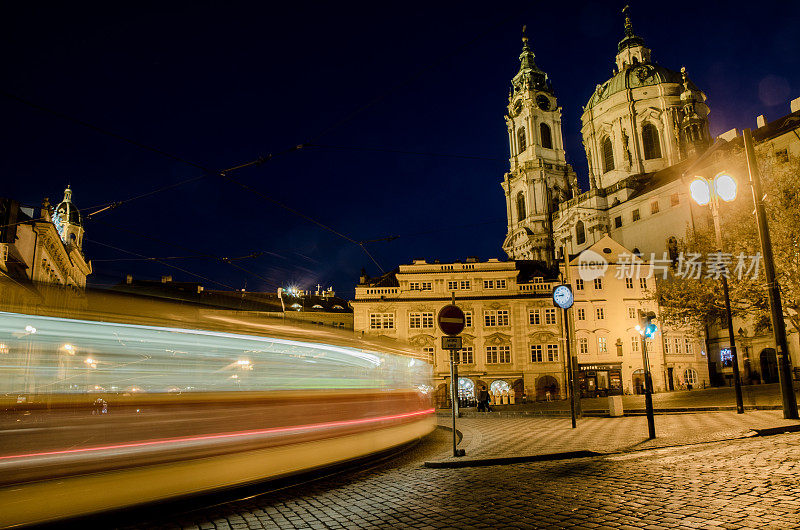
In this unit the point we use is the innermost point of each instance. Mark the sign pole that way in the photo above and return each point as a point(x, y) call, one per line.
point(451, 322)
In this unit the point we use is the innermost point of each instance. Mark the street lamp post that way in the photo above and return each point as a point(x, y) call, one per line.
point(704, 192)
point(773, 290)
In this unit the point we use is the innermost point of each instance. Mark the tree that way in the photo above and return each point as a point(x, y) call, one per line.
point(700, 301)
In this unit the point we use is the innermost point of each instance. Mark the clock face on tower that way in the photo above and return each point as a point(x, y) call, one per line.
point(543, 102)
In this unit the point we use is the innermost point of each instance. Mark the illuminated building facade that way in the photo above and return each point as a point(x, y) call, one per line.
point(43, 249)
point(512, 340)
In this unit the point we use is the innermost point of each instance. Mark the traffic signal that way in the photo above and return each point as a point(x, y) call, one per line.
point(646, 326)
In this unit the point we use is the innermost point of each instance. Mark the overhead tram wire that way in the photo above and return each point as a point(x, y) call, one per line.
point(160, 261)
point(229, 261)
point(403, 152)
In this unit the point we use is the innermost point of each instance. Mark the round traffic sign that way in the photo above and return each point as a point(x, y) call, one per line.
point(451, 320)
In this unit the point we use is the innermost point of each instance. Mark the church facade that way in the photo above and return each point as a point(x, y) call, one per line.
point(642, 129)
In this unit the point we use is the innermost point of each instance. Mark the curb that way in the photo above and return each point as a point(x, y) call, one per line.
point(501, 460)
point(601, 413)
point(772, 431)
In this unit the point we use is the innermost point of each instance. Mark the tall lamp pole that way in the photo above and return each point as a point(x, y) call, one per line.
point(773, 290)
point(704, 192)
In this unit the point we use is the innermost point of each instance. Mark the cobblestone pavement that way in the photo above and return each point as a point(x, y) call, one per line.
point(744, 483)
point(490, 437)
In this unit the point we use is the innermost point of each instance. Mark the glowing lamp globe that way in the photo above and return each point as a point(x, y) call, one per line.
point(700, 191)
point(725, 186)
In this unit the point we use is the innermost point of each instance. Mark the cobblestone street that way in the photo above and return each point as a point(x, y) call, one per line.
point(743, 483)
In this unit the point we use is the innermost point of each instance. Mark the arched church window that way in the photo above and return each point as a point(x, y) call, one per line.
point(580, 233)
point(521, 214)
point(652, 147)
point(547, 139)
point(608, 155)
point(523, 144)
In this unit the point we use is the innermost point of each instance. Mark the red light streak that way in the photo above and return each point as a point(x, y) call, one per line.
point(218, 436)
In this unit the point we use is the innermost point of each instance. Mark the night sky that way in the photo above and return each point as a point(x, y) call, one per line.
point(220, 84)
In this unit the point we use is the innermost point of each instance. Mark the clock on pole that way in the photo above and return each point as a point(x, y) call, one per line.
point(562, 296)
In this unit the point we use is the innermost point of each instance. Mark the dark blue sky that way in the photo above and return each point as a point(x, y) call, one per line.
point(223, 83)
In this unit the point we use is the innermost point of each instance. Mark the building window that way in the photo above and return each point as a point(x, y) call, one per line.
point(533, 317)
point(687, 344)
point(488, 284)
point(652, 147)
point(420, 320)
point(598, 312)
point(467, 319)
point(579, 284)
point(465, 285)
point(429, 350)
point(547, 138)
point(413, 286)
point(666, 346)
point(598, 283)
point(495, 318)
point(498, 354)
point(672, 249)
point(466, 355)
point(674, 199)
point(521, 214)
point(636, 215)
point(426, 286)
point(677, 345)
point(552, 353)
point(523, 142)
point(690, 376)
point(608, 155)
point(602, 345)
point(381, 321)
point(782, 155)
point(536, 353)
point(583, 346)
point(632, 312)
point(618, 221)
point(635, 344)
point(452, 286)
point(550, 316)
point(654, 207)
point(501, 284)
point(629, 283)
point(581, 314)
point(580, 233)
point(643, 283)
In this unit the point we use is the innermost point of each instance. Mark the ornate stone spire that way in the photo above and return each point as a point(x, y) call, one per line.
point(529, 75)
point(630, 38)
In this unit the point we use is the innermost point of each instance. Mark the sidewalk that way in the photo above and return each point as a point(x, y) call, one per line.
point(489, 441)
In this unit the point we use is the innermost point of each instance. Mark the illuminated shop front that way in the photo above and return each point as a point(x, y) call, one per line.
point(600, 379)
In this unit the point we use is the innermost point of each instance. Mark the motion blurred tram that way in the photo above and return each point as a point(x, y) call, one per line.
point(98, 415)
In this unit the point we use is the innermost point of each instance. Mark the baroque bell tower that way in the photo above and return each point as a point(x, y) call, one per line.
point(539, 177)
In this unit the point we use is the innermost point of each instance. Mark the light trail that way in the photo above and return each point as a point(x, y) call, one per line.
point(242, 434)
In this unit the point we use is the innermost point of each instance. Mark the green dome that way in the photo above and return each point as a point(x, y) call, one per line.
point(637, 75)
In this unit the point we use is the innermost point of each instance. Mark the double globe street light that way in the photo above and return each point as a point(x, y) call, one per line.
point(703, 191)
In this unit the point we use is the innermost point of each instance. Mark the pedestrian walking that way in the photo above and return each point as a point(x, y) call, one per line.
point(483, 400)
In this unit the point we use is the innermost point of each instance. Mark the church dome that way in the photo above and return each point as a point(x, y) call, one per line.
point(635, 75)
point(66, 211)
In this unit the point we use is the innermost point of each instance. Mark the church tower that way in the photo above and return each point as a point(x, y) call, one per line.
point(67, 219)
point(539, 177)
